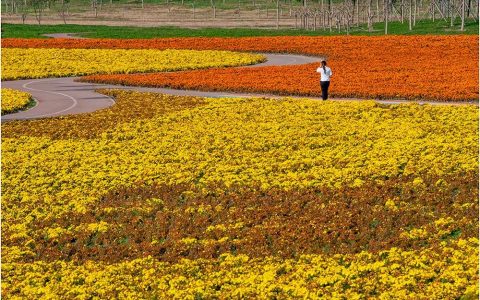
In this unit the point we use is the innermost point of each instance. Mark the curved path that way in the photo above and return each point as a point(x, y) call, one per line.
point(64, 96)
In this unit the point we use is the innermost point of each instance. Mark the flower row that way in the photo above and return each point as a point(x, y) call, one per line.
point(13, 100)
point(19, 63)
point(448, 272)
point(304, 81)
point(173, 222)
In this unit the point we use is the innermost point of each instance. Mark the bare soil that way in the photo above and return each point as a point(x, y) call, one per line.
point(162, 15)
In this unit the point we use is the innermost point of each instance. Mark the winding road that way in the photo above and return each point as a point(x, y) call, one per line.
point(64, 96)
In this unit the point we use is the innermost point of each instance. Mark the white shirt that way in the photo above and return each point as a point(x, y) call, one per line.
point(325, 76)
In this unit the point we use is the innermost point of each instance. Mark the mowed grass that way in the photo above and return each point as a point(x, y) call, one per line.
point(94, 31)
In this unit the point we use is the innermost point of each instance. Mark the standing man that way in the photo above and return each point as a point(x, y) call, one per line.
point(325, 74)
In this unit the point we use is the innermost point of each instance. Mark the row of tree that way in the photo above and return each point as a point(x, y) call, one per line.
point(37, 7)
point(321, 14)
point(353, 13)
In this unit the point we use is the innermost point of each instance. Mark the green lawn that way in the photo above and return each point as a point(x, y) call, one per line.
point(36, 31)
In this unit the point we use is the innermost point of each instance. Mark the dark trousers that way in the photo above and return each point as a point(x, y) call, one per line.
point(324, 85)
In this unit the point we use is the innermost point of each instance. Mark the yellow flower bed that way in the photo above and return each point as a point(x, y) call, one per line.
point(285, 143)
point(40, 63)
point(13, 100)
point(392, 274)
point(184, 177)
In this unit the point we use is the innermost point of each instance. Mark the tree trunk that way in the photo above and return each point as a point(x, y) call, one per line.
point(330, 22)
point(357, 2)
point(462, 28)
point(402, 10)
point(63, 12)
point(322, 15)
point(278, 14)
point(38, 13)
point(452, 12)
point(378, 11)
point(414, 12)
point(369, 20)
point(385, 12)
point(410, 17)
point(433, 11)
point(348, 24)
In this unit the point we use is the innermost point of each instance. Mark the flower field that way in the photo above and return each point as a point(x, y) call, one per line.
point(18, 63)
point(392, 274)
point(414, 67)
point(294, 80)
point(182, 197)
point(13, 100)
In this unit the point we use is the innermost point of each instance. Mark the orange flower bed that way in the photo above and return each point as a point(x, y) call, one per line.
point(413, 67)
point(296, 80)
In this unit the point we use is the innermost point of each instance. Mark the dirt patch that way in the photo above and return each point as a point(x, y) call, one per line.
point(155, 15)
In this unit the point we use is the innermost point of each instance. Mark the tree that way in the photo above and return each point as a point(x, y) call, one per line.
point(278, 14)
point(193, 9)
point(64, 10)
point(214, 8)
point(370, 16)
point(23, 8)
point(38, 8)
point(95, 7)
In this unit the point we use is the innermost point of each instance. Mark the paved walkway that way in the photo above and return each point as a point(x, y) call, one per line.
point(63, 96)
point(64, 35)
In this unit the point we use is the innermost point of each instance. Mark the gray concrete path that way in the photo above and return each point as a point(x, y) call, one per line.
point(65, 96)
point(64, 35)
